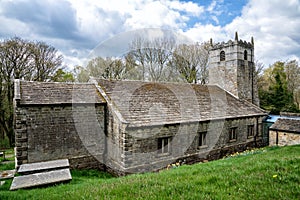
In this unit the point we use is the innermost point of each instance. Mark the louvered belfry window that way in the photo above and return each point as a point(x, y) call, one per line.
point(222, 56)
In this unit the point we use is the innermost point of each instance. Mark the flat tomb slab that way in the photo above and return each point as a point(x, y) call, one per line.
point(41, 179)
point(7, 174)
point(43, 166)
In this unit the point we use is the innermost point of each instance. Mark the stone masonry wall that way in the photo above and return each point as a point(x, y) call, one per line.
point(55, 132)
point(114, 159)
point(234, 74)
point(141, 147)
point(284, 138)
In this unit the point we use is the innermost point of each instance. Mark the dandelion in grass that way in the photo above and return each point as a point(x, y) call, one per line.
point(275, 176)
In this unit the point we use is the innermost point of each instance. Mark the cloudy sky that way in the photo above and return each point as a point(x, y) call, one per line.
point(76, 27)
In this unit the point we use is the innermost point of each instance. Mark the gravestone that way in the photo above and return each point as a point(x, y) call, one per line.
point(41, 174)
point(2, 154)
point(2, 183)
point(41, 179)
point(43, 166)
point(7, 174)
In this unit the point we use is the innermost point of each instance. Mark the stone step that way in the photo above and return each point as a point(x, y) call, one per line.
point(43, 166)
point(41, 179)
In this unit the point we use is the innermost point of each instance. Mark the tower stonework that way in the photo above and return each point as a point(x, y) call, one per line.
point(231, 66)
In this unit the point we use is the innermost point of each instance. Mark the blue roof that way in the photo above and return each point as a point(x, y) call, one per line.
point(273, 118)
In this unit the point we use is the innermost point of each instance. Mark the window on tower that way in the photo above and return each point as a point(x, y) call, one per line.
point(222, 55)
point(245, 55)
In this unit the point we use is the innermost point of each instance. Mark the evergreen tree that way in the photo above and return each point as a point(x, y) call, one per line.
point(277, 98)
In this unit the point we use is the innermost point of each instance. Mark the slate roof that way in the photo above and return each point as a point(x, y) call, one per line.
point(39, 93)
point(286, 125)
point(150, 103)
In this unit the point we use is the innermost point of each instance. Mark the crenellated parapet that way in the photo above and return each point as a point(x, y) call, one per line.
point(236, 41)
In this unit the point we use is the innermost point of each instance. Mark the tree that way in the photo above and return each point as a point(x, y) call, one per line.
point(107, 68)
point(191, 62)
point(274, 93)
point(292, 70)
point(46, 60)
point(152, 57)
point(152, 60)
point(134, 71)
point(62, 76)
point(81, 74)
point(24, 60)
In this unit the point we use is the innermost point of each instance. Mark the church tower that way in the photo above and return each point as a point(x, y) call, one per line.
point(231, 66)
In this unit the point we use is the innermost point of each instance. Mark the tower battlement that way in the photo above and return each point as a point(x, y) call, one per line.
point(241, 43)
point(236, 41)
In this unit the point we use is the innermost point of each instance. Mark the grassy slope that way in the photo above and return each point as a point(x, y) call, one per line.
point(270, 174)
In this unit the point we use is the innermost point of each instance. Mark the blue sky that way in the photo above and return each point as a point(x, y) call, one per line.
point(219, 12)
point(76, 27)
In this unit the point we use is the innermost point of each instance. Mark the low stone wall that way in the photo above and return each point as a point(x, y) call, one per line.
point(283, 138)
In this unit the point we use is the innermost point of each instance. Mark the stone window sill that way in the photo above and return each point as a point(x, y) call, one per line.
point(203, 147)
point(233, 140)
point(163, 154)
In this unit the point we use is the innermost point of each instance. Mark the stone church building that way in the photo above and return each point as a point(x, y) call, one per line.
point(133, 126)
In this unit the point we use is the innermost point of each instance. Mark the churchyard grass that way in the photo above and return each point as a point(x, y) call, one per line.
point(9, 155)
point(269, 173)
point(7, 166)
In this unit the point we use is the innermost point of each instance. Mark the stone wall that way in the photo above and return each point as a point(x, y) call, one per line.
point(234, 74)
point(284, 138)
point(141, 147)
point(49, 132)
point(114, 159)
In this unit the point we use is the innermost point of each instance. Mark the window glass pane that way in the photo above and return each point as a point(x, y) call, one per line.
point(232, 134)
point(163, 145)
point(202, 139)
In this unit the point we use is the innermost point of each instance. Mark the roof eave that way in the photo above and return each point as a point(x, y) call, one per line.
point(132, 125)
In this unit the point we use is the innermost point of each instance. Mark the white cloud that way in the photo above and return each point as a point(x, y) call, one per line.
point(81, 25)
point(189, 7)
point(215, 19)
point(212, 6)
point(106, 19)
point(275, 27)
point(144, 16)
point(7, 28)
point(215, 7)
point(205, 32)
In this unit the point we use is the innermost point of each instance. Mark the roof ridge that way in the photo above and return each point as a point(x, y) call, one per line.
point(154, 82)
point(55, 82)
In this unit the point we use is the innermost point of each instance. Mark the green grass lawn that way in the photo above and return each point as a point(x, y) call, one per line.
point(9, 155)
point(270, 173)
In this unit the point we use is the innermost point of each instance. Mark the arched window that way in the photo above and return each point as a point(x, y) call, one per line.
point(245, 55)
point(222, 55)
